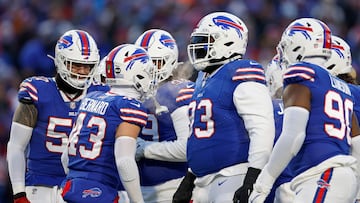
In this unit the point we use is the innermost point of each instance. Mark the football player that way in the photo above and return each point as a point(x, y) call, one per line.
point(162, 148)
point(102, 144)
point(231, 114)
point(44, 118)
point(318, 124)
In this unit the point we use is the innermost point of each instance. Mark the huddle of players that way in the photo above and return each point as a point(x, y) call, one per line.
point(134, 139)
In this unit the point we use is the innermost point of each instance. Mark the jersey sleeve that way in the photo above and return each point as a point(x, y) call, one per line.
point(133, 112)
point(249, 71)
point(298, 73)
point(29, 89)
point(185, 94)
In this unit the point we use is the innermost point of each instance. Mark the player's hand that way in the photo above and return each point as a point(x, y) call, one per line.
point(184, 192)
point(21, 198)
point(257, 196)
point(140, 147)
point(243, 193)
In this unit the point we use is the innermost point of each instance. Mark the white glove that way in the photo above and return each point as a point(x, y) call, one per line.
point(257, 196)
point(262, 187)
point(140, 148)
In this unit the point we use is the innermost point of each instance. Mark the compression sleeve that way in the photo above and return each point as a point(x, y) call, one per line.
point(125, 147)
point(174, 151)
point(253, 104)
point(290, 141)
point(19, 139)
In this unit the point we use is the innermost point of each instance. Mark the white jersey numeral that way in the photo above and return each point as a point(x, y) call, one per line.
point(96, 139)
point(341, 111)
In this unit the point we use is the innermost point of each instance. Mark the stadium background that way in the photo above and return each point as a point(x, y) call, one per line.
point(29, 30)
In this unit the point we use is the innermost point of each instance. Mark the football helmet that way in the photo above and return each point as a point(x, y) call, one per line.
point(274, 76)
point(218, 38)
point(304, 37)
point(163, 50)
point(340, 60)
point(76, 47)
point(129, 65)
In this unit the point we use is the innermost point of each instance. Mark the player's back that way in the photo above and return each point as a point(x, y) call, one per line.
point(329, 124)
point(217, 129)
point(171, 95)
point(91, 143)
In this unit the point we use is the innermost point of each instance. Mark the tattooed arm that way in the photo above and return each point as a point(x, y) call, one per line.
point(24, 120)
point(26, 114)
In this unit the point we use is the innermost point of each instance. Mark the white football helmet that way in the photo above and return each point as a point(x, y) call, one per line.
point(218, 38)
point(304, 37)
point(274, 76)
point(129, 65)
point(163, 50)
point(76, 46)
point(340, 60)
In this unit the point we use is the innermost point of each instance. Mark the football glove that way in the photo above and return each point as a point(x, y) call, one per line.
point(21, 198)
point(243, 193)
point(184, 191)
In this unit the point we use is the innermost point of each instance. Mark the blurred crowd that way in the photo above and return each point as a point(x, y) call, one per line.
point(29, 30)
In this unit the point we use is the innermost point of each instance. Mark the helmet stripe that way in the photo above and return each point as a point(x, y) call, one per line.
point(110, 62)
point(85, 44)
point(146, 39)
point(327, 35)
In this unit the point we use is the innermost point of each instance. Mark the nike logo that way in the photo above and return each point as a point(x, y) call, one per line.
point(190, 86)
point(253, 63)
point(135, 104)
point(221, 182)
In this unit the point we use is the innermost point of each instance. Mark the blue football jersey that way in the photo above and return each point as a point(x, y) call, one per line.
point(56, 114)
point(329, 125)
point(171, 95)
point(355, 91)
point(92, 140)
point(219, 138)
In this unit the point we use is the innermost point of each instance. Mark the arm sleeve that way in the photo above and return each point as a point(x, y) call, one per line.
point(19, 139)
point(125, 147)
point(253, 104)
point(172, 150)
point(290, 141)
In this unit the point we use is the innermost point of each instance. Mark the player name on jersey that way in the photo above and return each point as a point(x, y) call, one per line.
point(95, 106)
point(340, 85)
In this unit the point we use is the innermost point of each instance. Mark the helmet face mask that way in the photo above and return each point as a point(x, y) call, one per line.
point(129, 65)
point(304, 38)
point(163, 50)
point(216, 39)
point(76, 49)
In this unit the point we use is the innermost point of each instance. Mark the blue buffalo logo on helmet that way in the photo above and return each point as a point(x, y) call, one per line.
point(65, 42)
point(297, 27)
point(226, 23)
point(338, 49)
point(167, 41)
point(138, 55)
